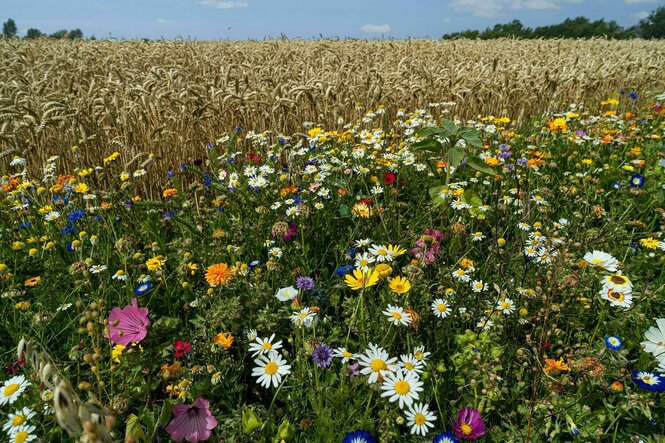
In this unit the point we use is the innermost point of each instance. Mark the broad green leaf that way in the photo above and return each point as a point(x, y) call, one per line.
point(455, 156)
point(437, 198)
point(472, 137)
point(427, 145)
point(471, 198)
point(134, 429)
point(430, 131)
point(479, 165)
point(344, 211)
point(165, 415)
point(450, 127)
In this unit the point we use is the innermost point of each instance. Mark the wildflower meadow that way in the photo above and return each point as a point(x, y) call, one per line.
point(406, 276)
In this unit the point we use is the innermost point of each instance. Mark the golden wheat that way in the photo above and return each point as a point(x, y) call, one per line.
point(172, 98)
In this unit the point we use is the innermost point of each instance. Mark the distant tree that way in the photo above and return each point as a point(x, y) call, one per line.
point(9, 29)
point(33, 33)
point(75, 34)
point(59, 34)
point(654, 25)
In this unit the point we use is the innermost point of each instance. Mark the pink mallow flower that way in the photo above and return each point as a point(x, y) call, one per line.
point(129, 324)
point(192, 422)
point(469, 424)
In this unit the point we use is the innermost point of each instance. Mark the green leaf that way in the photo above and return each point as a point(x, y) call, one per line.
point(455, 156)
point(472, 137)
point(473, 199)
point(430, 131)
point(479, 165)
point(344, 211)
point(435, 194)
point(165, 415)
point(427, 145)
point(134, 428)
point(450, 127)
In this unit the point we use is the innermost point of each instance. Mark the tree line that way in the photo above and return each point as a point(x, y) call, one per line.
point(9, 31)
point(653, 26)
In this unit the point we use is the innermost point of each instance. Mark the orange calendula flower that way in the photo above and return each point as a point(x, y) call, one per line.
point(219, 274)
point(223, 340)
point(556, 366)
point(169, 192)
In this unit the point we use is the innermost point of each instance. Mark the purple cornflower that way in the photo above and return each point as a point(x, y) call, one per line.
point(469, 424)
point(522, 161)
point(305, 283)
point(322, 356)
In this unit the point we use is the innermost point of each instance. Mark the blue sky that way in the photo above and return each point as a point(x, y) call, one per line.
point(257, 19)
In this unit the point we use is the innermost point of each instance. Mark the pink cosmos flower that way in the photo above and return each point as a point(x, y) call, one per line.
point(192, 423)
point(129, 324)
point(469, 424)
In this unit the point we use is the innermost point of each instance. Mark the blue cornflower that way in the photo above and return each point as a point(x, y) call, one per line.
point(207, 180)
point(68, 229)
point(69, 247)
point(636, 180)
point(445, 437)
point(25, 225)
point(322, 356)
point(76, 215)
point(617, 185)
point(170, 214)
point(649, 381)
point(170, 173)
point(359, 437)
point(633, 95)
point(613, 342)
point(351, 252)
point(343, 270)
point(143, 288)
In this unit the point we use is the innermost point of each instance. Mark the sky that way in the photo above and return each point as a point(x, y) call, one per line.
point(259, 19)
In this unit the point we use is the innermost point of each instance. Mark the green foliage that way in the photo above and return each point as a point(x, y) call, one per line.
point(9, 29)
point(653, 26)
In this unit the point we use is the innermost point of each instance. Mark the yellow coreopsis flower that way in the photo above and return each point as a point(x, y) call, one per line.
point(399, 285)
point(360, 279)
point(155, 263)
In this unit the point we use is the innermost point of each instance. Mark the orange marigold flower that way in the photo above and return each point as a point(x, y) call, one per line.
point(552, 365)
point(223, 340)
point(491, 161)
point(169, 192)
point(219, 274)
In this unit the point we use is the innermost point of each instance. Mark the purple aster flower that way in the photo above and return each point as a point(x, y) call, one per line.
point(305, 283)
point(322, 356)
point(469, 424)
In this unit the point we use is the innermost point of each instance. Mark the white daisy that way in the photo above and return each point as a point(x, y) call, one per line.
point(270, 369)
point(602, 260)
point(461, 275)
point(12, 389)
point(478, 286)
point(23, 434)
point(397, 316)
point(420, 354)
point(617, 282)
point(17, 419)
point(506, 306)
point(343, 354)
point(440, 308)
point(409, 363)
point(477, 236)
point(264, 345)
point(376, 363)
point(381, 252)
point(420, 419)
point(617, 297)
point(304, 317)
point(363, 261)
point(402, 387)
point(96, 269)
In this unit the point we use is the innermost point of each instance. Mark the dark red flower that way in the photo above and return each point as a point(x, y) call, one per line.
point(253, 157)
point(181, 348)
point(367, 201)
point(389, 178)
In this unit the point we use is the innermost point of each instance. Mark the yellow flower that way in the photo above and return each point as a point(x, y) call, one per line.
point(399, 285)
point(362, 210)
point(396, 250)
point(219, 274)
point(384, 270)
point(155, 263)
point(555, 366)
point(223, 340)
point(81, 188)
point(360, 279)
point(116, 352)
point(111, 157)
point(650, 243)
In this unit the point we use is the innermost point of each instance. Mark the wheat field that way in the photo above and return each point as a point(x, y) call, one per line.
point(173, 97)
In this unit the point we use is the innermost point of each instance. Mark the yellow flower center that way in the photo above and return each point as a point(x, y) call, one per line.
point(364, 262)
point(382, 252)
point(441, 307)
point(402, 387)
point(347, 354)
point(21, 437)
point(419, 419)
point(396, 315)
point(271, 368)
point(18, 420)
point(597, 260)
point(378, 365)
point(466, 429)
point(10, 389)
point(505, 305)
point(408, 365)
point(267, 346)
point(615, 295)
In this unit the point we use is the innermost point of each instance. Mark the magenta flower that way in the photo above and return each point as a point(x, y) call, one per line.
point(469, 424)
point(129, 324)
point(192, 423)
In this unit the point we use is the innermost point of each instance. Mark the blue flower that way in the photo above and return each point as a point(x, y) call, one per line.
point(359, 437)
point(76, 215)
point(68, 229)
point(616, 185)
point(613, 342)
point(343, 270)
point(445, 437)
point(649, 381)
point(633, 95)
point(143, 288)
point(253, 264)
point(636, 180)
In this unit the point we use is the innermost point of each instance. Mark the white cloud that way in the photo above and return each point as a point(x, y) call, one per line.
point(634, 2)
point(222, 4)
point(639, 15)
point(495, 8)
point(377, 29)
point(164, 21)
